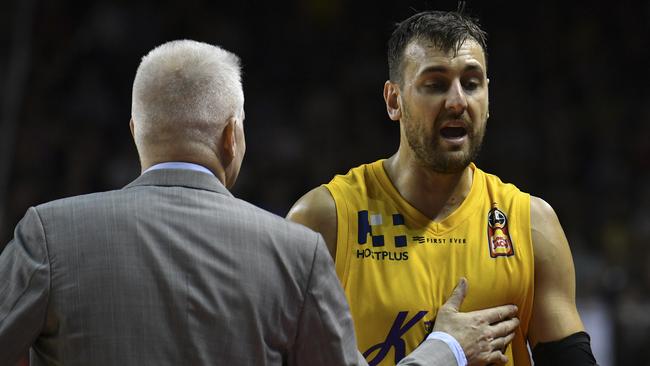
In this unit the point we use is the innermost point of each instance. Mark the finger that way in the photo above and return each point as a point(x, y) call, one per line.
point(458, 295)
point(501, 344)
point(497, 358)
point(496, 314)
point(505, 327)
point(508, 339)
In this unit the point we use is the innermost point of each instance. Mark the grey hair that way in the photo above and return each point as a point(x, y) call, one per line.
point(186, 90)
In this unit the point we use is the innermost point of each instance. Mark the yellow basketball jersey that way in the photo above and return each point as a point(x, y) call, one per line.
point(398, 267)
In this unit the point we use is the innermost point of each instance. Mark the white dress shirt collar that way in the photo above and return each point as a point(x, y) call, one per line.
point(179, 165)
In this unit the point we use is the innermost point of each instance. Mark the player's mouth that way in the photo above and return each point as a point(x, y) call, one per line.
point(454, 132)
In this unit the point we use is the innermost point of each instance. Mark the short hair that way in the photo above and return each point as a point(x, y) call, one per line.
point(186, 89)
point(446, 30)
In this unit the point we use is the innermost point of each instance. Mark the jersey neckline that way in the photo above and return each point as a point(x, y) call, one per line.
point(460, 214)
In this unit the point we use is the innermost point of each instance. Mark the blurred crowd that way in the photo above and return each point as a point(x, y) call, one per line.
point(569, 117)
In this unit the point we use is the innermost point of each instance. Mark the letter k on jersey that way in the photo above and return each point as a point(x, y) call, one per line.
point(394, 339)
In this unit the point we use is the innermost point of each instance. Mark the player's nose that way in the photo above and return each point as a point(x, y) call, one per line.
point(456, 100)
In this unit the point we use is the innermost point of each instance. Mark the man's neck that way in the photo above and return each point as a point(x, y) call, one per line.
point(435, 195)
point(207, 161)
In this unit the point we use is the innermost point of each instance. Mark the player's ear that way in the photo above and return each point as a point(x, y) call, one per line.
point(391, 97)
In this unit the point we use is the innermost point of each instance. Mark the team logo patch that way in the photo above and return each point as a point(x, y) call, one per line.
point(498, 235)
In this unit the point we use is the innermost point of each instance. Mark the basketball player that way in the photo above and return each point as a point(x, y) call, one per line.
point(404, 229)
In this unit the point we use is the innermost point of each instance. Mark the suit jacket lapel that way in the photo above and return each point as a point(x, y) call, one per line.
point(180, 178)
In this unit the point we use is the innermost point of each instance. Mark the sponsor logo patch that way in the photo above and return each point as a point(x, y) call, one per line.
point(366, 222)
point(498, 235)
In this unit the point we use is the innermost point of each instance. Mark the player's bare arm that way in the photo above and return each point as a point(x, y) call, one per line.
point(555, 320)
point(317, 210)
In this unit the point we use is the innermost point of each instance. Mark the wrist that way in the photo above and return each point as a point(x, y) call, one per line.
point(453, 344)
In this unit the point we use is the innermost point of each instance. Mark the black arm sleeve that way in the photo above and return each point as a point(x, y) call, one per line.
point(573, 350)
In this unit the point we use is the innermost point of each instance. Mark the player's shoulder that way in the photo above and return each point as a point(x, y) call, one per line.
point(318, 207)
point(317, 211)
point(542, 213)
point(355, 175)
point(540, 205)
point(547, 233)
point(495, 182)
point(318, 201)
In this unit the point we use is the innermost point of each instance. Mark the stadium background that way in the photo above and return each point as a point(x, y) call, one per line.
point(569, 114)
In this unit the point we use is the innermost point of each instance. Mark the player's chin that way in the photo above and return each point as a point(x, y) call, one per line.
point(451, 162)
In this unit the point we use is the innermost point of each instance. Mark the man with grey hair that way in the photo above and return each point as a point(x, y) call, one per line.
point(174, 270)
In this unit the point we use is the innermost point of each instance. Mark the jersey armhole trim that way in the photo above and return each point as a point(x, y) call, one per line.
point(341, 257)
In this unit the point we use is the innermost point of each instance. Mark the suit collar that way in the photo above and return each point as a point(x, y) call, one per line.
point(181, 178)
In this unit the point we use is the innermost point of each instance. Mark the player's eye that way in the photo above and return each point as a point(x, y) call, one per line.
point(435, 86)
point(471, 84)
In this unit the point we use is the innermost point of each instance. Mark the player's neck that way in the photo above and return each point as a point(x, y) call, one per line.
point(434, 194)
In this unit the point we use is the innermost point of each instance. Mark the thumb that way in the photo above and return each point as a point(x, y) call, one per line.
point(458, 295)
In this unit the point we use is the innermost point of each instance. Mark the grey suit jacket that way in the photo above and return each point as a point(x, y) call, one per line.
point(173, 270)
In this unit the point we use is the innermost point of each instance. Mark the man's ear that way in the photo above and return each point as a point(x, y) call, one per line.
point(228, 142)
point(391, 97)
point(132, 127)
